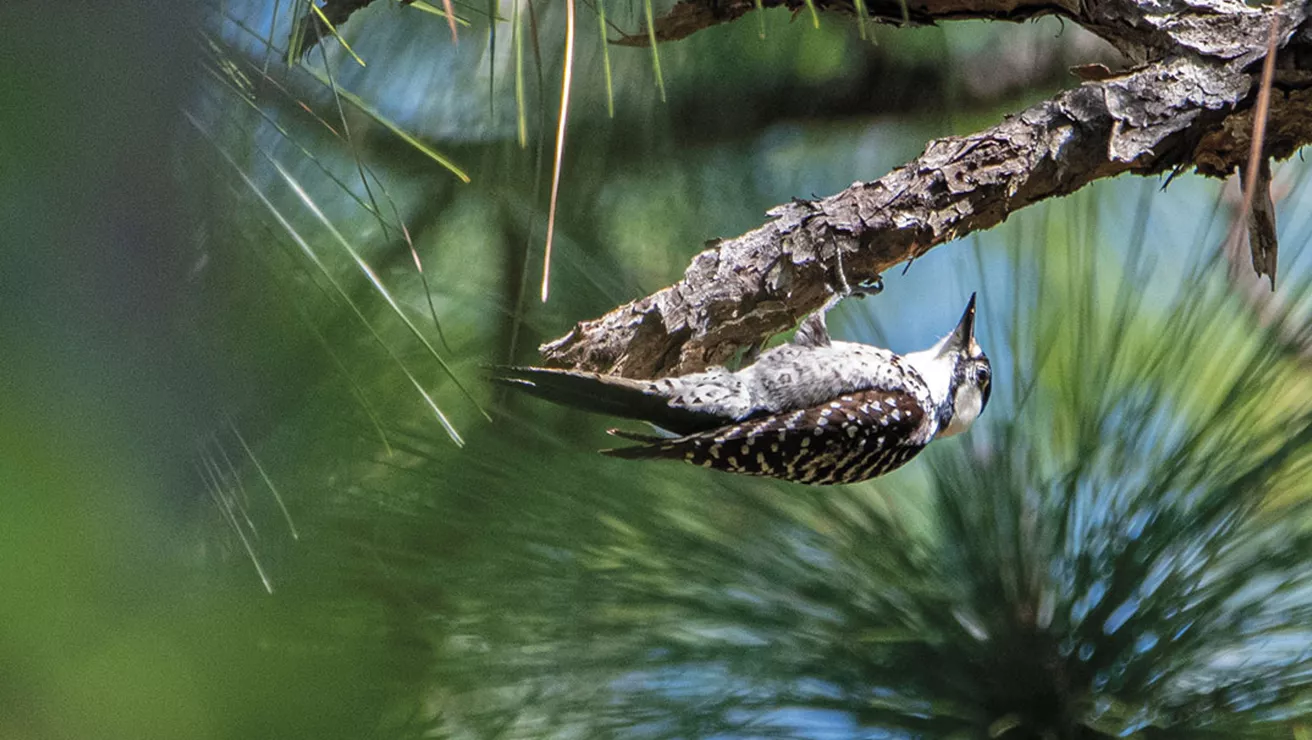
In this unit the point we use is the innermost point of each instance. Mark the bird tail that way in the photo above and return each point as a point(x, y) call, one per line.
point(606, 394)
point(652, 447)
point(636, 437)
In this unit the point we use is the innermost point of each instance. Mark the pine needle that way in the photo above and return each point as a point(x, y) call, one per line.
point(324, 19)
point(268, 39)
point(350, 142)
point(291, 525)
point(815, 16)
point(224, 505)
point(295, 42)
point(655, 51)
point(492, 54)
point(566, 79)
point(356, 389)
point(396, 130)
point(862, 18)
point(1260, 112)
point(293, 140)
point(605, 58)
point(517, 40)
point(372, 207)
point(314, 258)
point(377, 282)
point(451, 20)
point(427, 8)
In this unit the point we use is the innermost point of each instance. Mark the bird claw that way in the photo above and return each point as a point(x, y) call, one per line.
point(813, 330)
point(868, 286)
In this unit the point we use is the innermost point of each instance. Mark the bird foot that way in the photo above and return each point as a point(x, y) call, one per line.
point(813, 331)
point(868, 286)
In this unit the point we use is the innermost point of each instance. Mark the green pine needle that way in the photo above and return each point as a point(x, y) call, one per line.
point(815, 15)
point(655, 51)
point(605, 58)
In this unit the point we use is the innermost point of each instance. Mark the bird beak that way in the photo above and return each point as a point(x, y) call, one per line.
point(963, 337)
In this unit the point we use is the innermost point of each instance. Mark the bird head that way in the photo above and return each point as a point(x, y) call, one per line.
point(972, 377)
point(958, 375)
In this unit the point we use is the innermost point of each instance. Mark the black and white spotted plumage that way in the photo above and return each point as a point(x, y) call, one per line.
point(812, 411)
point(857, 436)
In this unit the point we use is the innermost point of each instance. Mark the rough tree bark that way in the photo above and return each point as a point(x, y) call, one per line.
point(1187, 104)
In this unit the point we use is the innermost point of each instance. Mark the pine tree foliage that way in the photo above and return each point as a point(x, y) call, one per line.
point(1122, 551)
point(1119, 549)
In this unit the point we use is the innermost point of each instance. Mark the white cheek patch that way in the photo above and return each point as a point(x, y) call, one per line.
point(935, 370)
point(970, 402)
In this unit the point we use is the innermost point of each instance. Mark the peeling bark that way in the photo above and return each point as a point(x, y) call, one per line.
point(689, 16)
point(1269, 308)
point(1188, 107)
point(1261, 218)
point(1141, 29)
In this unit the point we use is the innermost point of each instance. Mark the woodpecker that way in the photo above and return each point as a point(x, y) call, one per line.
point(813, 410)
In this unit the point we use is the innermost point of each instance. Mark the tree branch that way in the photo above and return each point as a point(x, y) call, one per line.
point(1190, 108)
point(689, 16)
point(1139, 29)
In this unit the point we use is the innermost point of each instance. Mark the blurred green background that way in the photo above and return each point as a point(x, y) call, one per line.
point(234, 503)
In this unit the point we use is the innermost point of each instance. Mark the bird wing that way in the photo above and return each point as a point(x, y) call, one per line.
point(851, 438)
point(793, 377)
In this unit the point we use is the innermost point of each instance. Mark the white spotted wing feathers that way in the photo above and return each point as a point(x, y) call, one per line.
point(851, 438)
